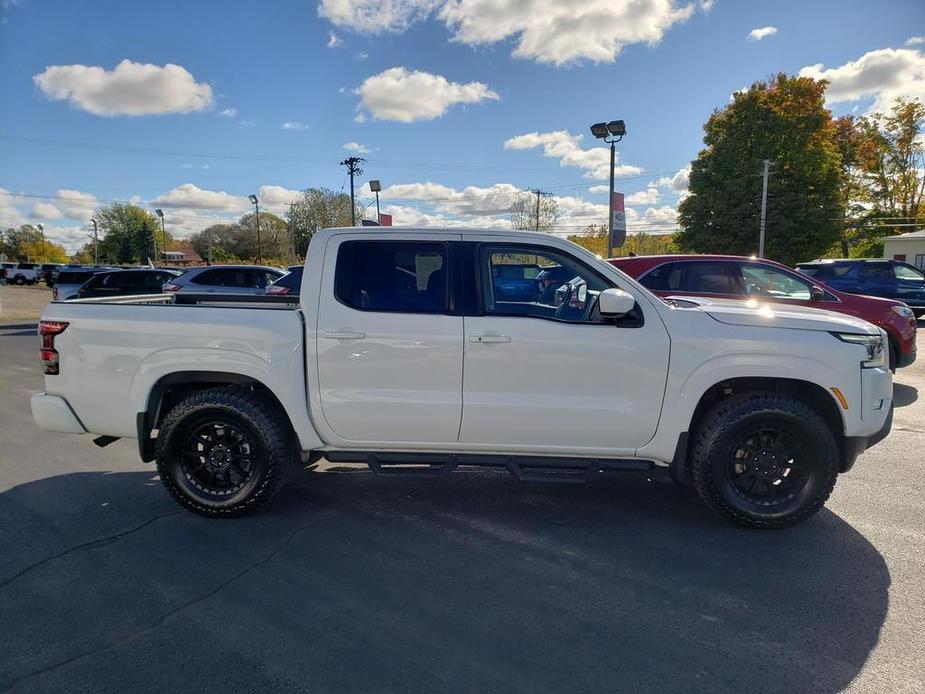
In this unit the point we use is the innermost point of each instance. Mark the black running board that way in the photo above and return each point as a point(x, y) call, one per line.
point(524, 468)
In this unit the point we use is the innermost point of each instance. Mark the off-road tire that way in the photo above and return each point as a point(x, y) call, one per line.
point(258, 417)
point(713, 450)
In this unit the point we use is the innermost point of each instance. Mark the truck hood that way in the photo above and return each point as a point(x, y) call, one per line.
point(760, 314)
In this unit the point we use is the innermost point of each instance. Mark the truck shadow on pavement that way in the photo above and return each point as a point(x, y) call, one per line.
point(353, 582)
point(904, 395)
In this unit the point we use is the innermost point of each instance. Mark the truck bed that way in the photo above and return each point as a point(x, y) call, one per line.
point(115, 350)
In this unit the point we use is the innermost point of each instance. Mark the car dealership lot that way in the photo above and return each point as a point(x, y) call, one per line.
point(352, 582)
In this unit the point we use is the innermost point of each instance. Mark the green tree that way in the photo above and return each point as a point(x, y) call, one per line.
point(316, 209)
point(127, 233)
point(785, 121)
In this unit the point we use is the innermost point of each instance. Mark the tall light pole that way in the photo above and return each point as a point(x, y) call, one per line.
point(256, 204)
point(160, 213)
point(42, 229)
point(764, 207)
point(96, 243)
point(376, 186)
point(353, 168)
point(611, 133)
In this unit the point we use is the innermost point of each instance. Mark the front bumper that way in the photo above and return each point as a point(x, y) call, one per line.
point(53, 413)
point(853, 446)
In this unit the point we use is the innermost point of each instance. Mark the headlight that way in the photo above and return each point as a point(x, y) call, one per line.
point(903, 311)
point(874, 345)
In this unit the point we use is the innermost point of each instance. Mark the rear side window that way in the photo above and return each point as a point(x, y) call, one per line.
point(293, 280)
point(905, 272)
point(71, 277)
point(402, 276)
point(712, 278)
point(230, 277)
point(664, 278)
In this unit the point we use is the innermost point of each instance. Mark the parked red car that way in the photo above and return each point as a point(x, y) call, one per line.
point(735, 277)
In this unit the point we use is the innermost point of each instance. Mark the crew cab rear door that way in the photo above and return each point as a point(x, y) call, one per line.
point(547, 373)
point(389, 349)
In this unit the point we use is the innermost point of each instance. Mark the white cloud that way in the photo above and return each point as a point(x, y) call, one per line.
point(204, 167)
point(883, 74)
point(356, 147)
point(916, 41)
point(599, 189)
point(10, 214)
point(229, 112)
point(45, 210)
point(566, 147)
point(665, 215)
point(649, 196)
point(360, 118)
point(362, 55)
point(333, 40)
point(131, 89)
point(677, 183)
point(76, 204)
point(761, 32)
point(277, 198)
point(472, 200)
point(293, 125)
point(408, 95)
point(190, 196)
point(376, 16)
point(544, 30)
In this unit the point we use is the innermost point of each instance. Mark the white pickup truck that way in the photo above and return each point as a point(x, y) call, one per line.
point(423, 351)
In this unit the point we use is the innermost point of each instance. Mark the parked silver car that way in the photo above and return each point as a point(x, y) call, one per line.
point(224, 279)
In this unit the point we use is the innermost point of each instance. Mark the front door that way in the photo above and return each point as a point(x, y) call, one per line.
point(389, 352)
point(545, 372)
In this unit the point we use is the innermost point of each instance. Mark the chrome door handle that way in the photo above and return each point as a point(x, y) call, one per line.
point(345, 335)
point(493, 338)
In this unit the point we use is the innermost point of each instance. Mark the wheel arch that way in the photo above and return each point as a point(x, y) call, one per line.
point(808, 392)
point(173, 387)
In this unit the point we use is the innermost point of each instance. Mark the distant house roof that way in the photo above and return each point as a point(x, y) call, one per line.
point(910, 235)
point(183, 254)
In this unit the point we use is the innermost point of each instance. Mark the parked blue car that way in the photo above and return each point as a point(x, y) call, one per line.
point(891, 279)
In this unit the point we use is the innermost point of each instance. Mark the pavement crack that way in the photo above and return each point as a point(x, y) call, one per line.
point(134, 636)
point(92, 544)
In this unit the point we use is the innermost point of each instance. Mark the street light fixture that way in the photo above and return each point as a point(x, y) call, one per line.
point(160, 213)
point(376, 186)
point(256, 203)
point(611, 133)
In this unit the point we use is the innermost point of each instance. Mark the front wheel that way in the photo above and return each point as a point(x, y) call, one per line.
point(764, 460)
point(224, 451)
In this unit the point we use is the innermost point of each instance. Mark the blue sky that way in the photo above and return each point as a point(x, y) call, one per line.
point(456, 104)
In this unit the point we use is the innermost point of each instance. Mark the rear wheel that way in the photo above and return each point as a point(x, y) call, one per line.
point(224, 451)
point(20, 280)
point(764, 459)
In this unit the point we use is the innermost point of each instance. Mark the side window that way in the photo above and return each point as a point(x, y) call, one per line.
point(401, 276)
point(904, 272)
point(704, 277)
point(664, 278)
point(767, 281)
point(563, 289)
point(876, 272)
point(208, 278)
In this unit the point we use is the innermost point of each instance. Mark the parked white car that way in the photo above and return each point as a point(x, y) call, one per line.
point(23, 273)
point(404, 355)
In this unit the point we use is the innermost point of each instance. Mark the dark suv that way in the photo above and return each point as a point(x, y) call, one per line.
point(891, 279)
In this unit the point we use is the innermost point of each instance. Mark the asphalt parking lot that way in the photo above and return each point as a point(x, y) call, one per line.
point(357, 583)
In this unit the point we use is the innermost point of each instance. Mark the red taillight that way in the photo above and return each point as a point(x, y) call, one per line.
point(278, 290)
point(48, 329)
point(170, 287)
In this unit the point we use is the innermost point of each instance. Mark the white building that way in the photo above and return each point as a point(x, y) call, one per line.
point(909, 248)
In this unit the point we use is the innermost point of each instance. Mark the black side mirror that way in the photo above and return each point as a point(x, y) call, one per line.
point(817, 293)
